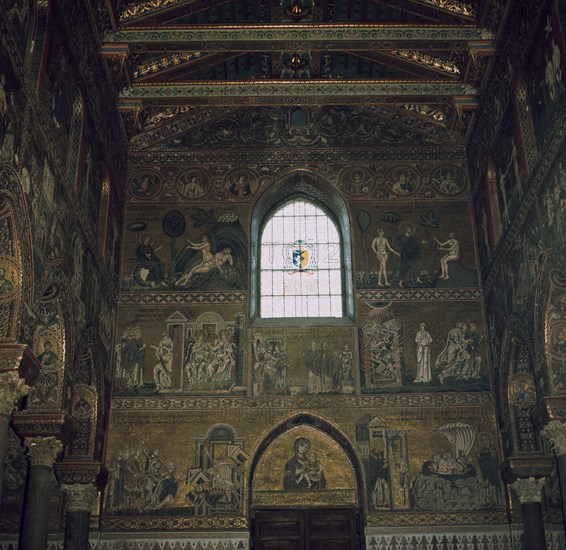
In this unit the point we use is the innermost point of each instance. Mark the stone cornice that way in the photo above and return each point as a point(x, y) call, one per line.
point(68, 471)
point(53, 423)
point(522, 467)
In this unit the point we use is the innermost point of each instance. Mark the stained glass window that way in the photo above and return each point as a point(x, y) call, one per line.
point(300, 263)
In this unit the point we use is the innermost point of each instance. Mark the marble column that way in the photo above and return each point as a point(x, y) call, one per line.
point(555, 433)
point(12, 388)
point(42, 452)
point(81, 498)
point(529, 491)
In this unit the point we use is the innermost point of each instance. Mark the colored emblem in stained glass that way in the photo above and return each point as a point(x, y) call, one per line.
point(300, 257)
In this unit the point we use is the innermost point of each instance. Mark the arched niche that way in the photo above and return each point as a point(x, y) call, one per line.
point(309, 186)
point(305, 462)
point(550, 325)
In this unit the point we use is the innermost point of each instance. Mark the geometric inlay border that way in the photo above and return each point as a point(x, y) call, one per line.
point(445, 399)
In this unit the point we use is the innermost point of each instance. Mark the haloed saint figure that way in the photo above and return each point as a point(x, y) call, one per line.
point(303, 471)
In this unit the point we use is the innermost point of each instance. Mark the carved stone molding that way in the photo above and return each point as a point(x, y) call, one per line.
point(523, 467)
point(53, 423)
point(82, 472)
point(555, 432)
point(80, 497)
point(528, 489)
point(12, 387)
point(42, 451)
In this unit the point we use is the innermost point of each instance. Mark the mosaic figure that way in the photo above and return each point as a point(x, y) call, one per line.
point(303, 471)
point(452, 248)
point(423, 340)
point(380, 245)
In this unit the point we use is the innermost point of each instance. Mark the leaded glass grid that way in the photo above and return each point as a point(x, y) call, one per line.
point(300, 263)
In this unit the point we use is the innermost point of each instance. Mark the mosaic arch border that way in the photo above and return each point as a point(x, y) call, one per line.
point(328, 429)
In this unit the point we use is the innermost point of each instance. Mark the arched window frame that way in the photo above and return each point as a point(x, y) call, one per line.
point(306, 186)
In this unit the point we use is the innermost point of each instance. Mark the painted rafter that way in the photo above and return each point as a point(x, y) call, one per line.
point(415, 62)
point(273, 37)
point(164, 9)
point(467, 9)
point(293, 92)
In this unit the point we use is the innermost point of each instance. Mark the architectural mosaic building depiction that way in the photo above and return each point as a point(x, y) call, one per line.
point(282, 274)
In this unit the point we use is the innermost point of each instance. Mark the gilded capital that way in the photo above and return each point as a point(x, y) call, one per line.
point(81, 497)
point(528, 489)
point(555, 432)
point(12, 387)
point(42, 451)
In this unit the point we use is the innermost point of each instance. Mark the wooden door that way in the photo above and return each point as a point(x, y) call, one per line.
point(305, 529)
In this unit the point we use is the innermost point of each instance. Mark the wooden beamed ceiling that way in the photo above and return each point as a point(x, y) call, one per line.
point(172, 54)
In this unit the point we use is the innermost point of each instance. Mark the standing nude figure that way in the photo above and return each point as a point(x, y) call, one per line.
point(452, 247)
point(380, 245)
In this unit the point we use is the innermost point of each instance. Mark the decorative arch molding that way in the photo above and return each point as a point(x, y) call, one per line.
point(87, 398)
point(312, 187)
point(321, 425)
point(517, 391)
point(38, 46)
point(52, 338)
point(550, 324)
point(75, 154)
point(528, 154)
point(15, 254)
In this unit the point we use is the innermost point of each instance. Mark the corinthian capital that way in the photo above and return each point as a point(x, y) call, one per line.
point(42, 451)
point(555, 432)
point(528, 489)
point(81, 497)
point(12, 387)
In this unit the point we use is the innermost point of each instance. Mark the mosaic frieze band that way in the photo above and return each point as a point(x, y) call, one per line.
point(272, 36)
point(399, 400)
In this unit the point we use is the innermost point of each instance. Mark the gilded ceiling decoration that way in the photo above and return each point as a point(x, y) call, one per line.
point(170, 59)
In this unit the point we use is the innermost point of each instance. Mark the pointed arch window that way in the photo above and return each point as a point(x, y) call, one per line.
point(301, 252)
point(300, 268)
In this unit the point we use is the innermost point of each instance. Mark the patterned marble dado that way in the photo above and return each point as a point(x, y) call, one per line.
point(484, 537)
point(481, 536)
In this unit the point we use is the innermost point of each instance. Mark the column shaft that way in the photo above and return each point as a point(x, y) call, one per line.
point(76, 531)
point(4, 420)
point(533, 527)
point(561, 470)
point(33, 535)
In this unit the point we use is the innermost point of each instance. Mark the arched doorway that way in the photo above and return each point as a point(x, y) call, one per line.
point(306, 489)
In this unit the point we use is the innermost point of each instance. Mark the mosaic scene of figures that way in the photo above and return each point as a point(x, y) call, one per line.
point(202, 248)
point(198, 351)
point(416, 464)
